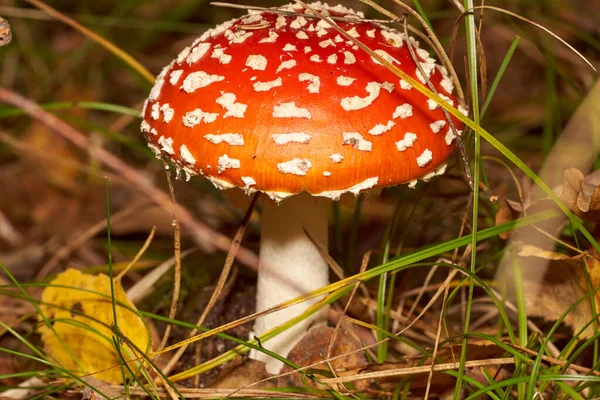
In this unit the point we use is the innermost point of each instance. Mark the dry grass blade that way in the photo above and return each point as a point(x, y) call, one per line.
point(224, 393)
point(137, 256)
point(235, 245)
point(335, 267)
point(204, 236)
point(123, 55)
point(418, 370)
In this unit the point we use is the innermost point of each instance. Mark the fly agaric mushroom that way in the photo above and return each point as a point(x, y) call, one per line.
point(279, 102)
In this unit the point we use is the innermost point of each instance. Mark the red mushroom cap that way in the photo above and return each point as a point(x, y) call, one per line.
point(284, 104)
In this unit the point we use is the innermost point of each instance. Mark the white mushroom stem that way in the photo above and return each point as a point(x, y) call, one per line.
point(289, 266)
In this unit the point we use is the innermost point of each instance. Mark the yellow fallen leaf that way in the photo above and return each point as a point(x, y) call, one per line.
point(81, 313)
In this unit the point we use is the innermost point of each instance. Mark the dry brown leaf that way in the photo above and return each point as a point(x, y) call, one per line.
point(582, 194)
point(563, 284)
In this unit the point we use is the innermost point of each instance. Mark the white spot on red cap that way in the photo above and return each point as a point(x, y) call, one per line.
point(352, 32)
point(326, 173)
point(224, 162)
point(405, 85)
point(290, 110)
point(450, 136)
point(280, 22)
point(289, 47)
point(197, 53)
point(315, 58)
point(357, 141)
point(425, 158)
point(403, 111)
point(232, 139)
point(408, 141)
point(196, 116)
point(270, 39)
point(166, 144)
point(167, 113)
point(355, 190)
point(338, 39)
point(199, 79)
point(234, 109)
point(185, 155)
point(155, 111)
point(332, 59)
point(393, 37)
point(160, 79)
point(296, 166)
point(174, 77)
point(371, 33)
point(380, 129)
point(326, 43)
point(301, 35)
point(286, 65)
point(238, 36)
point(266, 86)
point(336, 158)
point(349, 58)
point(298, 23)
point(145, 127)
point(315, 82)
point(307, 49)
point(463, 110)
point(294, 137)
point(183, 55)
point(357, 103)
point(248, 181)
point(257, 62)
point(345, 80)
point(219, 54)
point(437, 125)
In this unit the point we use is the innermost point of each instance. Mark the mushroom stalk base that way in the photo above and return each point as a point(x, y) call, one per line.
point(289, 266)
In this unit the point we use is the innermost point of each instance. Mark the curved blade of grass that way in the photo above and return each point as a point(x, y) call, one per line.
point(117, 51)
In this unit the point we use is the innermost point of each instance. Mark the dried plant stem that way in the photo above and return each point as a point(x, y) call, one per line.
point(177, 255)
point(207, 238)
